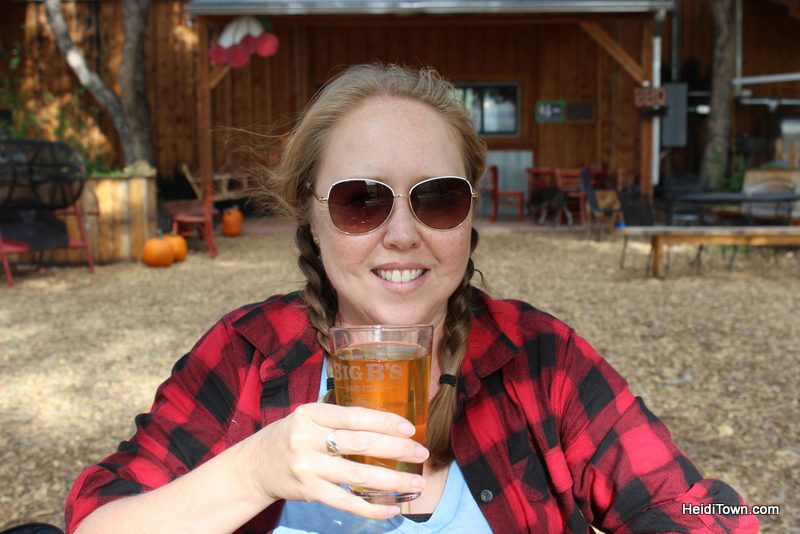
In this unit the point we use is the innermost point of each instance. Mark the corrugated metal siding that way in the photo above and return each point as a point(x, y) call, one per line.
point(305, 7)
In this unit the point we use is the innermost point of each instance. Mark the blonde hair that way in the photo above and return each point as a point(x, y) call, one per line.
point(289, 186)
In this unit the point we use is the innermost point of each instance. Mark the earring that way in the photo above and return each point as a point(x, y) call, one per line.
point(316, 240)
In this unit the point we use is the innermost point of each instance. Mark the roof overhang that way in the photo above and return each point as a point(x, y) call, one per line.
point(353, 7)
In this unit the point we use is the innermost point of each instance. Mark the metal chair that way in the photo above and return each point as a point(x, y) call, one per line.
point(636, 211)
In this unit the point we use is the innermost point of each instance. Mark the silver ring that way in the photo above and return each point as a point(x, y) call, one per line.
point(331, 445)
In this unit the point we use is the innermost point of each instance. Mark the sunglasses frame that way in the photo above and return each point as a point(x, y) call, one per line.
point(324, 200)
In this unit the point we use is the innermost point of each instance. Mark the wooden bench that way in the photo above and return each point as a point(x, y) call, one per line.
point(711, 235)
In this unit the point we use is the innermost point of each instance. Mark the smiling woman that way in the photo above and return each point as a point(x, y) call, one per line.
point(529, 429)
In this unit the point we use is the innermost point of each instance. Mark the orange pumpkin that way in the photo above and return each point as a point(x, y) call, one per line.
point(178, 244)
point(232, 222)
point(157, 252)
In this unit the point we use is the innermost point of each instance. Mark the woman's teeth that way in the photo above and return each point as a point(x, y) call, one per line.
point(399, 276)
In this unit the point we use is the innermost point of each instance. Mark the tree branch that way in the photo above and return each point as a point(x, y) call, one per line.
point(87, 77)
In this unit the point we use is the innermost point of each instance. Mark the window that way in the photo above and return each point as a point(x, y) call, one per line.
point(494, 107)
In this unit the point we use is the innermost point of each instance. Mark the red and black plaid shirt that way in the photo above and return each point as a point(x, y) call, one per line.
point(547, 434)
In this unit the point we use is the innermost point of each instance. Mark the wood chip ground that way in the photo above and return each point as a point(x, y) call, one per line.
point(716, 355)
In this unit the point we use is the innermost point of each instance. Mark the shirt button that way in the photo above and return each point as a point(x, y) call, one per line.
point(487, 495)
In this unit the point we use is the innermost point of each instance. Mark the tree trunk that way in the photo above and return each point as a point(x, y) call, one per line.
point(714, 168)
point(130, 113)
point(133, 85)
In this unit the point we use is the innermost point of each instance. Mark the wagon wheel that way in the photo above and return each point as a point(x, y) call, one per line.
point(56, 176)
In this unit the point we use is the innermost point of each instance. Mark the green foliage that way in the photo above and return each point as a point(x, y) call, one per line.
point(22, 119)
point(27, 124)
point(738, 170)
point(727, 178)
point(717, 174)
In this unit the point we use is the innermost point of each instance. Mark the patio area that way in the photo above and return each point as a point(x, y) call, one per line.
point(715, 355)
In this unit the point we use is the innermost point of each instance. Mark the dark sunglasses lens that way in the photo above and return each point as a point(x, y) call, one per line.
point(358, 206)
point(442, 203)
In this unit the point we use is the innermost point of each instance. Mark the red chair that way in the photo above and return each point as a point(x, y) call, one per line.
point(10, 247)
point(569, 181)
point(539, 179)
point(44, 229)
point(504, 198)
point(599, 174)
point(189, 220)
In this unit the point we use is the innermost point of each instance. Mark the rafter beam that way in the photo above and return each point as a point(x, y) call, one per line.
point(218, 72)
point(615, 50)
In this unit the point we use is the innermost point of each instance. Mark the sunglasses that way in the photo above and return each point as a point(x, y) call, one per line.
point(358, 206)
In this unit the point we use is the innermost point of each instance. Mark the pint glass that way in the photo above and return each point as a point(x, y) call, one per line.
point(384, 368)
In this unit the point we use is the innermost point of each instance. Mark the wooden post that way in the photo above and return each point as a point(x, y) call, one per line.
point(204, 145)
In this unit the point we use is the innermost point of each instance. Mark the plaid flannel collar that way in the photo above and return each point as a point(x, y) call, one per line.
point(494, 340)
point(282, 332)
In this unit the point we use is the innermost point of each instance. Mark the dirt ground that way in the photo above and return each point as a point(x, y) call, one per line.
point(714, 354)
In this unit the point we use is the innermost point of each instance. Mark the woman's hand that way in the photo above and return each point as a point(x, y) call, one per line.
point(292, 461)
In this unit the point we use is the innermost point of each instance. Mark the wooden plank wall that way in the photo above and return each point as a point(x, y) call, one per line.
point(550, 60)
point(550, 56)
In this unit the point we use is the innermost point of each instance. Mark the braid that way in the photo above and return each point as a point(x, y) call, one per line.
point(318, 293)
point(452, 348)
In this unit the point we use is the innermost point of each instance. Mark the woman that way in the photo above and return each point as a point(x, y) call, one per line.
point(529, 431)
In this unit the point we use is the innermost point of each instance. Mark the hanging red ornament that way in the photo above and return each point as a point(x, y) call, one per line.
point(238, 56)
point(241, 38)
point(266, 44)
point(249, 43)
point(218, 55)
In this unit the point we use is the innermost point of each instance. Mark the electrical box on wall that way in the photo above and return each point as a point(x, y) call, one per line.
point(673, 123)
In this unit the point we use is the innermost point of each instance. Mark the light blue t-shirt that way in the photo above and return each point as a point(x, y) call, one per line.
point(457, 511)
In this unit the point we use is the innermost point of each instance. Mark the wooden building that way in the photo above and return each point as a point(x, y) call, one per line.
point(579, 61)
point(564, 72)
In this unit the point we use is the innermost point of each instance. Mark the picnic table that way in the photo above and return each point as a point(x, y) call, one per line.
point(660, 236)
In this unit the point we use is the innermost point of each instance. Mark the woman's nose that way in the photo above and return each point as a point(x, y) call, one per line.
point(402, 229)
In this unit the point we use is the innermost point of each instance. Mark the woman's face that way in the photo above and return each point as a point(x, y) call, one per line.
point(399, 142)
